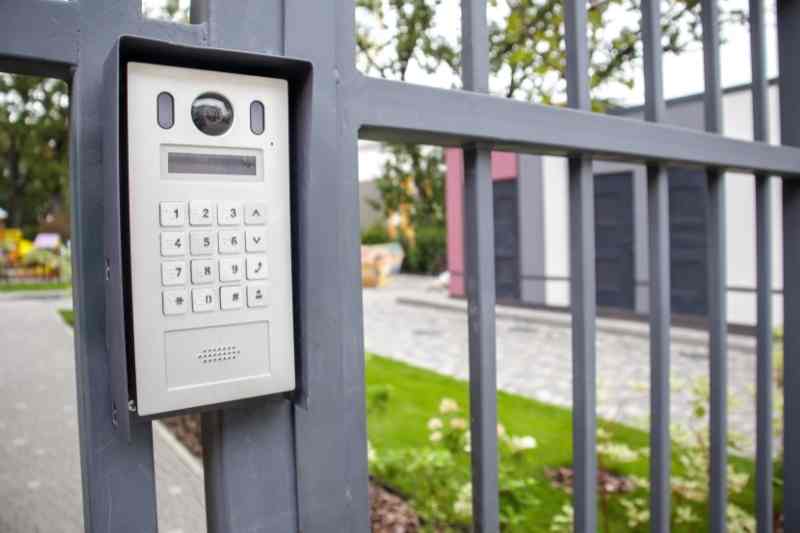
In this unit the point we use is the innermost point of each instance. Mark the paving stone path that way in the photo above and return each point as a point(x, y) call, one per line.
point(40, 474)
point(533, 357)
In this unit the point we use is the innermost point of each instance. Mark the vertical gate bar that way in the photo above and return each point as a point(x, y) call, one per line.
point(582, 283)
point(330, 424)
point(480, 282)
point(788, 18)
point(249, 450)
point(118, 480)
point(758, 52)
point(717, 308)
point(659, 287)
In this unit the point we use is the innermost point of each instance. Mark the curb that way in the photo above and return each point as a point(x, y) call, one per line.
point(680, 336)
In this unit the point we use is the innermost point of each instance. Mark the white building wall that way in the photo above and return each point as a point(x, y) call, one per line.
point(740, 214)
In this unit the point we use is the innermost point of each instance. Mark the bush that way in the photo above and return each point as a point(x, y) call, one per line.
point(375, 234)
point(429, 254)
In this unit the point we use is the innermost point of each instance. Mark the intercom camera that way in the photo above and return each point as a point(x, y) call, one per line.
point(201, 248)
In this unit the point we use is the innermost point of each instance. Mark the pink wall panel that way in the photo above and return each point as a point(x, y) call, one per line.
point(504, 167)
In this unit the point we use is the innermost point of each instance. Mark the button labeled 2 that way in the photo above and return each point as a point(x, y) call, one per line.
point(201, 213)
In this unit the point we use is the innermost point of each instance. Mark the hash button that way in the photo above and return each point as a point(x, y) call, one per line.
point(231, 297)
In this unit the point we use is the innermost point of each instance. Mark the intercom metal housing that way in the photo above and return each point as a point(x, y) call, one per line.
point(198, 232)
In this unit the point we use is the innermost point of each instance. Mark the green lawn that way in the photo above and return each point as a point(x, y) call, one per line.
point(414, 396)
point(68, 315)
point(43, 286)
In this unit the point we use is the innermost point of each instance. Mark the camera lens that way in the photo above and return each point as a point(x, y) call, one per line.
point(212, 113)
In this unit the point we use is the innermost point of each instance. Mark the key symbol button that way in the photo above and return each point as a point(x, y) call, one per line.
point(255, 214)
point(256, 240)
point(258, 295)
point(257, 267)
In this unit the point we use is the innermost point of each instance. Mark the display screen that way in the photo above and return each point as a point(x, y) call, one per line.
point(222, 164)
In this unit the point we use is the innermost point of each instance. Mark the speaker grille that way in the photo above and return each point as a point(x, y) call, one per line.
point(218, 354)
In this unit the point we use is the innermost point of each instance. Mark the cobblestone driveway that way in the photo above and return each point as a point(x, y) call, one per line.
point(413, 322)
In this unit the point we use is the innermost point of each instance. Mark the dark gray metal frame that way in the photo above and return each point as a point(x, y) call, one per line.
point(277, 466)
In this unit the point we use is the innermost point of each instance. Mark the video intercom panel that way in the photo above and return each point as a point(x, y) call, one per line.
point(208, 227)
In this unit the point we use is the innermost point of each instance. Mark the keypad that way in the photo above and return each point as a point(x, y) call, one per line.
point(224, 264)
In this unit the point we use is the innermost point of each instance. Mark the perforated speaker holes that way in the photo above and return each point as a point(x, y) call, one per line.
point(219, 354)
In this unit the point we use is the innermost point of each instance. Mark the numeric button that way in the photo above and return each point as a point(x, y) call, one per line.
point(255, 214)
point(204, 300)
point(173, 243)
point(201, 213)
point(175, 302)
point(257, 267)
point(230, 269)
point(173, 273)
point(201, 242)
point(229, 214)
point(204, 271)
point(172, 214)
point(230, 242)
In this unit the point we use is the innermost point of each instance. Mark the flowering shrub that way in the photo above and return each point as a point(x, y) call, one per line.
point(442, 494)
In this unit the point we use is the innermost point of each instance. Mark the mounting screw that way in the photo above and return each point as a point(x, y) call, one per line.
point(114, 414)
point(108, 269)
point(132, 406)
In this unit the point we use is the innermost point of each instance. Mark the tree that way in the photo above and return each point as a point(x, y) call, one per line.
point(34, 176)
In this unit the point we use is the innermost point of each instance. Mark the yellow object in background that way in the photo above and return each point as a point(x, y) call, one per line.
point(24, 247)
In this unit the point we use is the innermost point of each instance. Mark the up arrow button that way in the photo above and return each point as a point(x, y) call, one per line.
point(255, 214)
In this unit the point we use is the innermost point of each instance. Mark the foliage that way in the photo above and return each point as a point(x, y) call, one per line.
point(399, 428)
point(34, 178)
point(428, 253)
point(375, 234)
point(443, 493)
point(33, 286)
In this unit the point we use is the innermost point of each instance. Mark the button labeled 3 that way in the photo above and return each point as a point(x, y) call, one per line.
point(231, 297)
point(201, 213)
point(173, 273)
point(172, 214)
point(229, 214)
point(175, 302)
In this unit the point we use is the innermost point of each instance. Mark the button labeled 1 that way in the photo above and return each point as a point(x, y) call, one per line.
point(175, 302)
point(172, 214)
point(229, 214)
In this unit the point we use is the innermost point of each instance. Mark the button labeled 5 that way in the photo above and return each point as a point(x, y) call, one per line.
point(173, 273)
point(204, 271)
point(202, 242)
point(172, 214)
point(230, 242)
point(257, 267)
point(173, 243)
point(201, 213)
point(229, 214)
point(256, 240)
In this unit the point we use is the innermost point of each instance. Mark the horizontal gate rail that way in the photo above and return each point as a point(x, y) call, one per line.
point(396, 111)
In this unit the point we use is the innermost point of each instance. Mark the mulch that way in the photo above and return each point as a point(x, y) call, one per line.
point(389, 512)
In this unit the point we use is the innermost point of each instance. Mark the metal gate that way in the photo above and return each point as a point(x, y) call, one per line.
point(276, 466)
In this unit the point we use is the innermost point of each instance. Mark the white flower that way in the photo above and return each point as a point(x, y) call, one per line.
point(501, 430)
point(436, 436)
point(448, 405)
point(372, 455)
point(522, 443)
point(458, 423)
point(435, 423)
point(463, 503)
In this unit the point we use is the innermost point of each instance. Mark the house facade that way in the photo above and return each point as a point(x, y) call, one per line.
point(532, 225)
